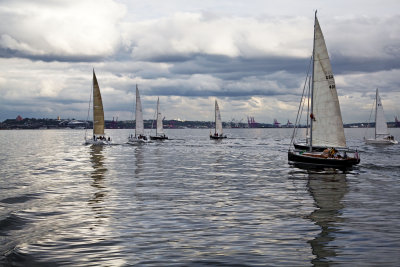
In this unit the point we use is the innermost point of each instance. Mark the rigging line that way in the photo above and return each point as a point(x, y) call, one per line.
point(369, 120)
point(87, 118)
point(133, 111)
point(154, 118)
point(301, 100)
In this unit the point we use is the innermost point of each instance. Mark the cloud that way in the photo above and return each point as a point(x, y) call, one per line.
point(182, 35)
point(252, 58)
point(59, 30)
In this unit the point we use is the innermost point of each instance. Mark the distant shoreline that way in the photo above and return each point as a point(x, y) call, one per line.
point(32, 124)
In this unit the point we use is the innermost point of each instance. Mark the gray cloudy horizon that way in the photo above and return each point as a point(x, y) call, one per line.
point(250, 55)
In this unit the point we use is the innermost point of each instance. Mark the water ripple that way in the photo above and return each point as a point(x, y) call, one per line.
point(191, 201)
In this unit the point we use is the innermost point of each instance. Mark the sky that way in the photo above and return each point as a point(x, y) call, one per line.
point(252, 56)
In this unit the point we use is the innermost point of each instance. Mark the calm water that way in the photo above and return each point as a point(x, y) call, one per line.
point(192, 201)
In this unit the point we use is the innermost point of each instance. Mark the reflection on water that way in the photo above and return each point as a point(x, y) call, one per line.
point(97, 160)
point(139, 160)
point(327, 190)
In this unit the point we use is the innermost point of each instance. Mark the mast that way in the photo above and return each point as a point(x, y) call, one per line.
point(158, 101)
point(312, 84)
point(136, 110)
point(376, 110)
point(215, 118)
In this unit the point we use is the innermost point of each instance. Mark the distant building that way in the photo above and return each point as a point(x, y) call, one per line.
point(19, 118)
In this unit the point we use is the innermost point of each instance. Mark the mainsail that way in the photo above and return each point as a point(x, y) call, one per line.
point(381, 129)
point(98, 113)
point(139, 130)
point(160, 129)
point(218, 121)
point(327, 124)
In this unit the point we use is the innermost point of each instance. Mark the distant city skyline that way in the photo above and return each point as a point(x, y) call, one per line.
point(250, 55)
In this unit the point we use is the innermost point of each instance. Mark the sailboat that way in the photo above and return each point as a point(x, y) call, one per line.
point(139, 136)
point(326, 125)
point(382, 135)
point(160, 135)
point(218, 133)
point(99, 137)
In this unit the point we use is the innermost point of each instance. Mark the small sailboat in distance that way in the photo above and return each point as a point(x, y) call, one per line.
point(382, 135)
point(326, 125)
point(99, 137)
point(139, 136)
point(218, 133)
point(160, 135)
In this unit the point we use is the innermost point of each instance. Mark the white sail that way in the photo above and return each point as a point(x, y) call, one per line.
point(98, 112)
point(160, 129)
point(327, 125)
point(381, 129)
point(139, 130)
point(218, 121)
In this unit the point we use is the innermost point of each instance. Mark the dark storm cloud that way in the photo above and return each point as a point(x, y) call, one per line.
point(223, 92)
point(237, 67)
point(10, 53)
point(344, 65)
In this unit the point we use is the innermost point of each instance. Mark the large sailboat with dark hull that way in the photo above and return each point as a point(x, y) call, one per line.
point(326, 144)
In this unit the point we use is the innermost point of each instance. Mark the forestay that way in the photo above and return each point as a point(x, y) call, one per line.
point(381, 129)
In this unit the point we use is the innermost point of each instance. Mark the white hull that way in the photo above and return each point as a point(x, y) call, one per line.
point(97, 142)
point(136, 141)
point(380, 142)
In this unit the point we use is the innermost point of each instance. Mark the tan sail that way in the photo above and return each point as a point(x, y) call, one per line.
point(98, 113)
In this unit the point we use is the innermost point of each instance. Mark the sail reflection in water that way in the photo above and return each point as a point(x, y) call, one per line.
point(327, 190)
point(97, 160)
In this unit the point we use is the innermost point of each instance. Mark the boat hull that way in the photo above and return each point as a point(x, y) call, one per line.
point(158, 137)
point(302, 146)
point(217, 137)
point(296, 157)
point(97, 142)
point(135, 140)
point(380, 142)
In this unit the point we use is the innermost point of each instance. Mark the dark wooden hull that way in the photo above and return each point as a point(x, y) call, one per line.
point(158, 137)
point(307, 148)
point(217, 137)
point(339, 163)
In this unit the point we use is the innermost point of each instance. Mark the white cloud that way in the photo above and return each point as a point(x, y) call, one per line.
point(69, 28)
point(196, 33)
